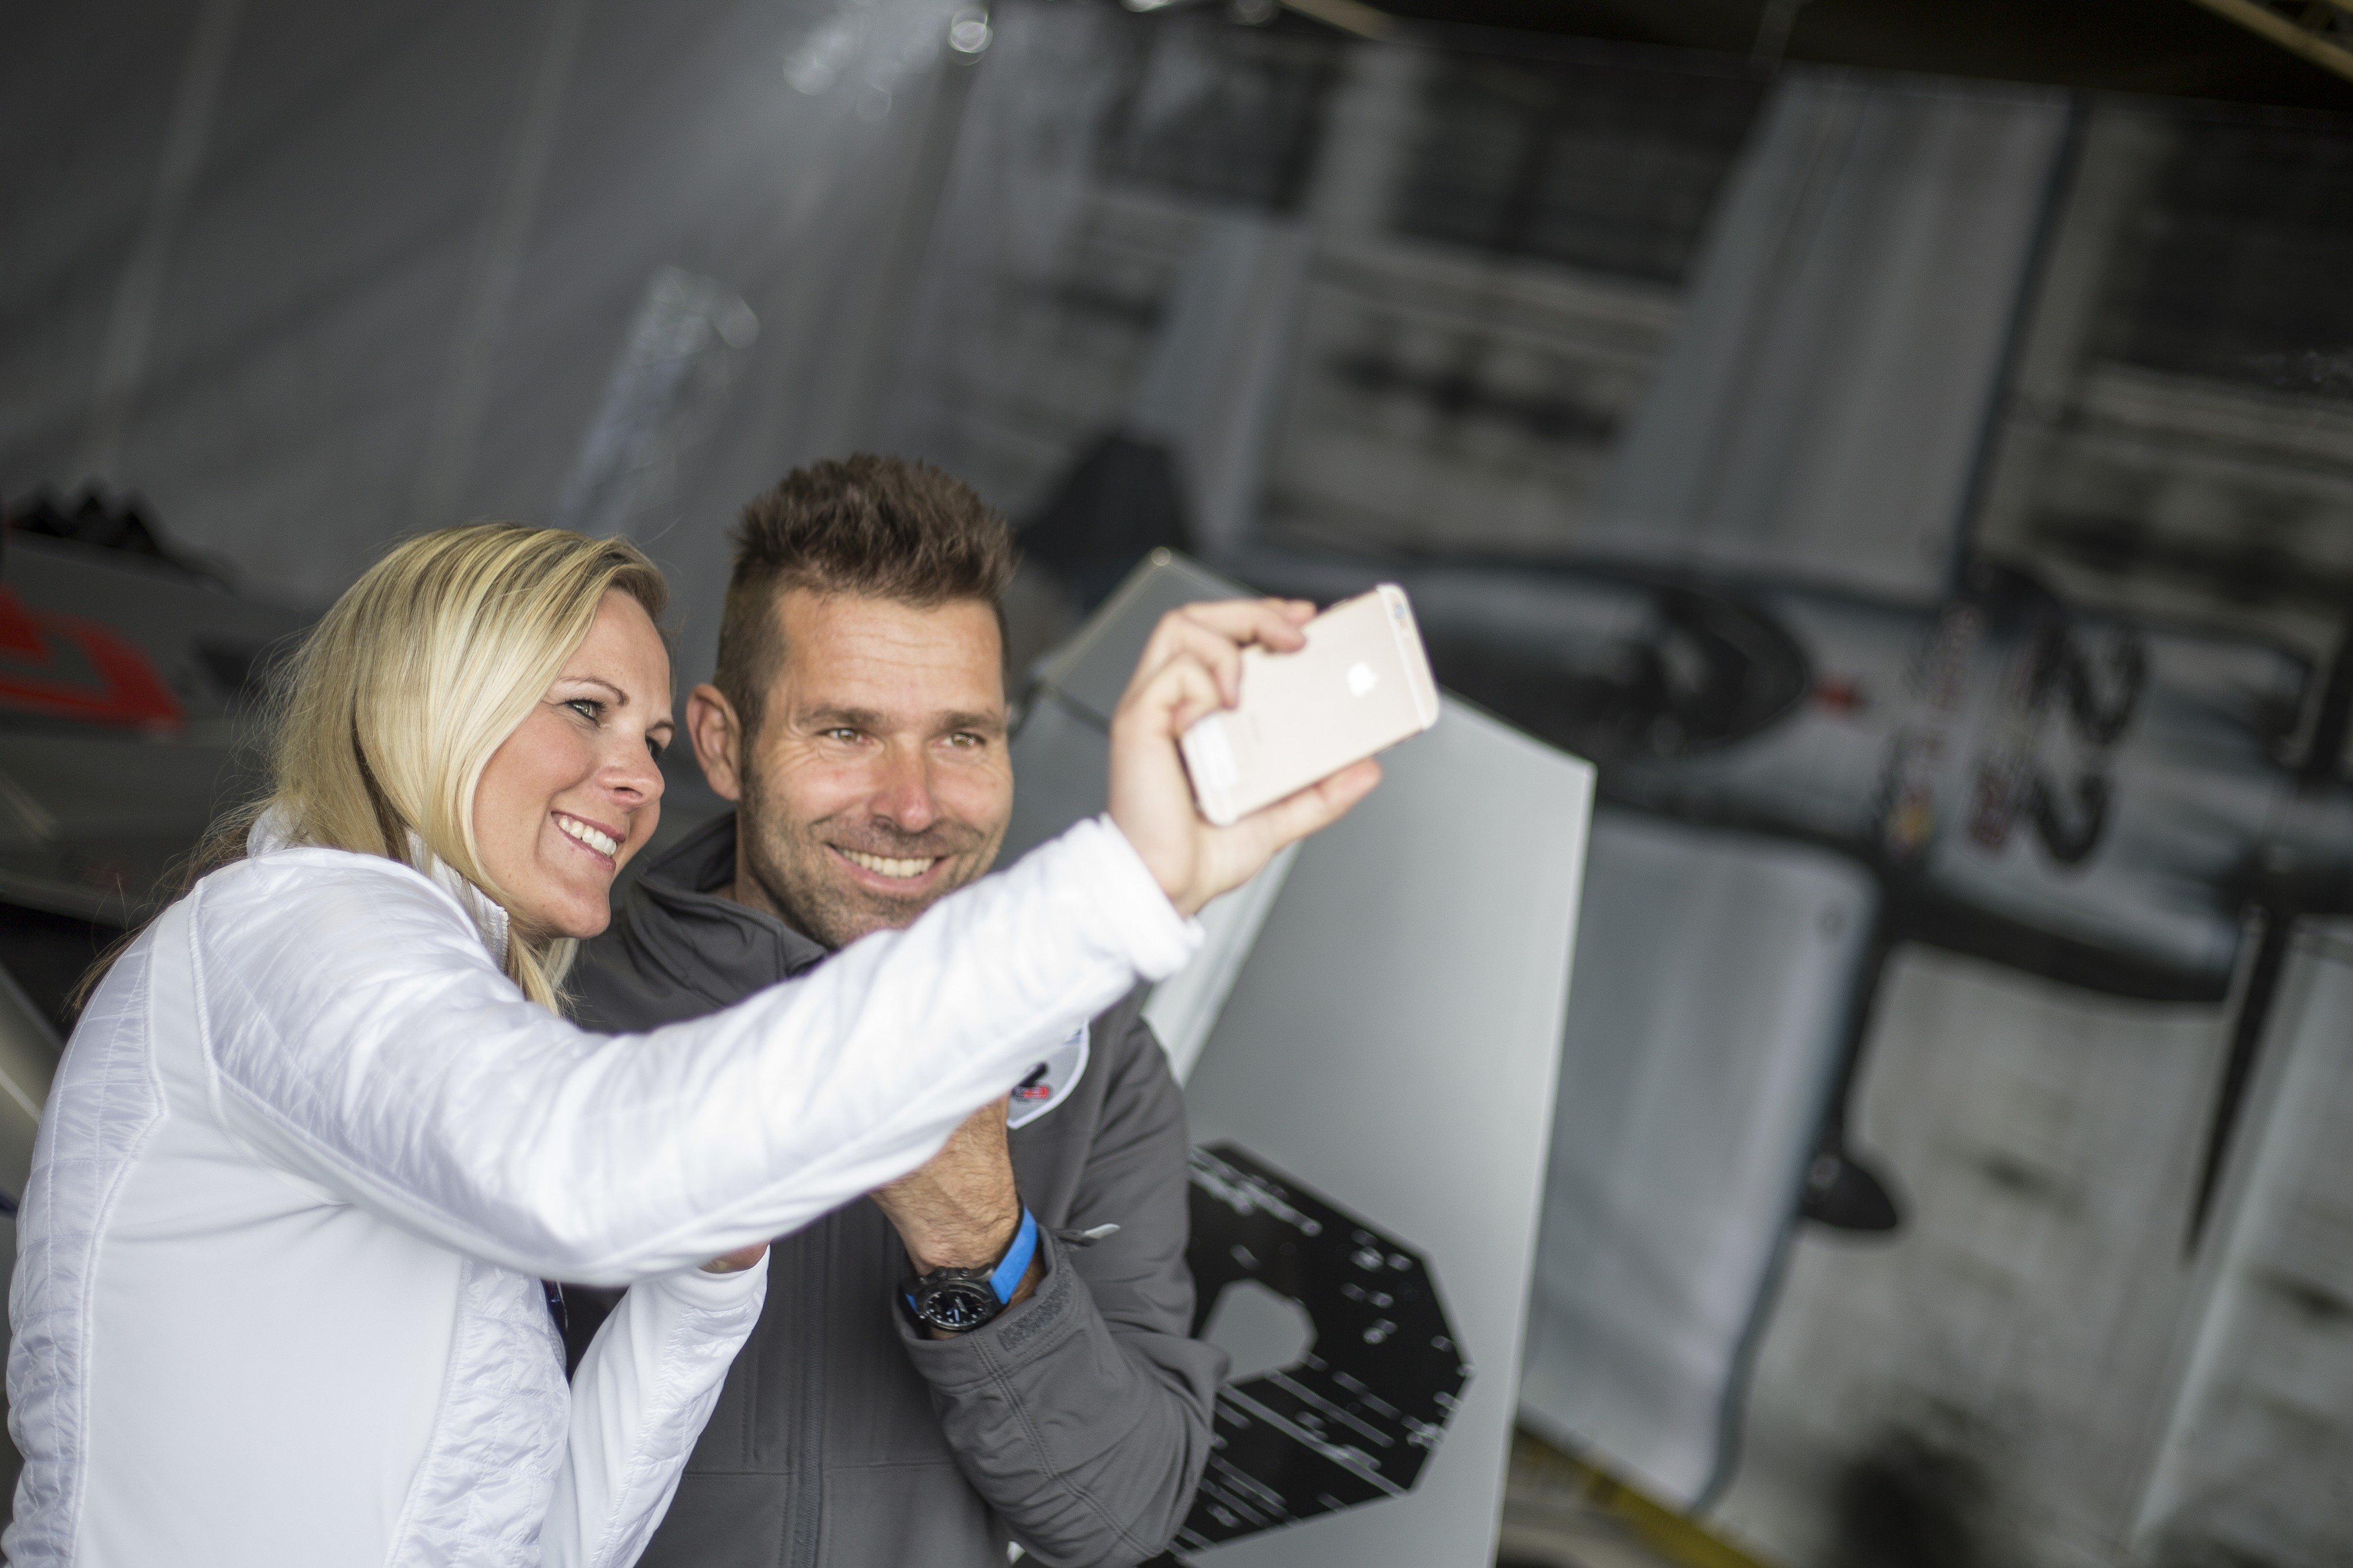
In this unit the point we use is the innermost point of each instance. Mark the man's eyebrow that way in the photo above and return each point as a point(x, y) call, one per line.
point(874, 720)
point(987, 723)
point(849, 718)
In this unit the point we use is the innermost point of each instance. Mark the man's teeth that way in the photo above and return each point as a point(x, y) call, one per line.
point(883, 866)
point(603, 843)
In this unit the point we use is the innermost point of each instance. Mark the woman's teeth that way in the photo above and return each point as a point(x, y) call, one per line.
point(882, 866)
point(603, 843)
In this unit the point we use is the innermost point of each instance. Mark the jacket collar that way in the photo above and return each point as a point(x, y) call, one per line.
point(270, 834)
point(674, 922)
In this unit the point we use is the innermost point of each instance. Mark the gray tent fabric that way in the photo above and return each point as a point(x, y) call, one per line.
point(1872, 232)
point(1211, 388)
point(310, 280)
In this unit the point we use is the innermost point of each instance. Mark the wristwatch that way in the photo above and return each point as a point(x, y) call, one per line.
point(958, 1301)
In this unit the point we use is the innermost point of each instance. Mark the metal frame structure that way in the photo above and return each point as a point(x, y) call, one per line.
point(2320, 31)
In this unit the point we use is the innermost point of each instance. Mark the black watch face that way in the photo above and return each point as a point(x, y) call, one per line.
point(958, 1307)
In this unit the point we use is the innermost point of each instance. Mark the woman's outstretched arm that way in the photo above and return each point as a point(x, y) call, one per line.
point(360, 1038)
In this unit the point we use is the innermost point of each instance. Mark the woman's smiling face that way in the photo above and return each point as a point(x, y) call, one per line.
point(574, 791)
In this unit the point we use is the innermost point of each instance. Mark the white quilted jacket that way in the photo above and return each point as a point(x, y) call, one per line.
point(277, 1299)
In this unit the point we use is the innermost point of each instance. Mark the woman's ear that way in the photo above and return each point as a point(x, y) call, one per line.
point(718, 736)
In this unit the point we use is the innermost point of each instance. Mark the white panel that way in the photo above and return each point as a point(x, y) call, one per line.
point(1705, 1026)
point(1060, 760)
point(2254, 1455)
point(1392, 1043)
point(1185, 1007)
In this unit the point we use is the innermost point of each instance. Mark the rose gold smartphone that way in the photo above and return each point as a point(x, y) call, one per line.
point(1361, 684)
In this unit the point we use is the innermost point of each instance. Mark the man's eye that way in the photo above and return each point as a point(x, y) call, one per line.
point(840, 732)
point(657, 746)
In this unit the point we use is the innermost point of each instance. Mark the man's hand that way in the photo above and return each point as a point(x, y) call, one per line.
point(959, 1209)
point(1192, 667)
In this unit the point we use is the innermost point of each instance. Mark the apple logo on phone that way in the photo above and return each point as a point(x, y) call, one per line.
point(1361, 678)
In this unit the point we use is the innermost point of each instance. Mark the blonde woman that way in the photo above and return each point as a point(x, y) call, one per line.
point(320, 1132)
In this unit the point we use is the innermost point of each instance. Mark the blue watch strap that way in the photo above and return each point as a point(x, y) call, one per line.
point(1007, 1278)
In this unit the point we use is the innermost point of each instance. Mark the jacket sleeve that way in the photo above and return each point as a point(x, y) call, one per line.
point(360, 1040)
point(638, 1401)
point(1083, 1415)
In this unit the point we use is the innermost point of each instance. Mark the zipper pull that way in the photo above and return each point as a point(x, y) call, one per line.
point(1085, 1238)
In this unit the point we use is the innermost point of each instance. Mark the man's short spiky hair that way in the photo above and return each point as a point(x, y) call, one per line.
point(880, 527)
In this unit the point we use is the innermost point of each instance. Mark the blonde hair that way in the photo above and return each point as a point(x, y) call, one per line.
point(390, 709)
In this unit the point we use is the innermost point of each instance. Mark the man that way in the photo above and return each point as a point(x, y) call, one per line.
point(858, 719)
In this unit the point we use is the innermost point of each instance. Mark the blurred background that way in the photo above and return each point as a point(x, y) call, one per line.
point(1907, 445)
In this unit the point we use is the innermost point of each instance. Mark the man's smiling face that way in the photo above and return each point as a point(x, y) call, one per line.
point(877, 780)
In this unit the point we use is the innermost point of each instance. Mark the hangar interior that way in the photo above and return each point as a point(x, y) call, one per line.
point(1907, 449)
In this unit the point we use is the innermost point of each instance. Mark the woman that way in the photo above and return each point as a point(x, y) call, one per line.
point(319, 1133)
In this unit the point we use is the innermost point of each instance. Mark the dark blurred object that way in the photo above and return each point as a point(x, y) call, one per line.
point(2170, 46)
point(2234, 266)
point(1611, 167)
point(47, 954)
point(1122, 500)
point(1247, 134)
point(95, 517)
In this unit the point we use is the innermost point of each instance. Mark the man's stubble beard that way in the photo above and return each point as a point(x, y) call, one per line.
point(794, 869)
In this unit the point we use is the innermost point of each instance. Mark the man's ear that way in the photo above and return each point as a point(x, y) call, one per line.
point(718, 735)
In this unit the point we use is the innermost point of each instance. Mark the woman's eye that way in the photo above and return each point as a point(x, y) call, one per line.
point(589, 707)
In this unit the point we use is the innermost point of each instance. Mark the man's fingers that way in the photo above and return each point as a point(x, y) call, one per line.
point(1176, 695)
point(1272, 622)
point(1314, 808)
point(1234, 623)
point(1198, 694)
point(1219, 654)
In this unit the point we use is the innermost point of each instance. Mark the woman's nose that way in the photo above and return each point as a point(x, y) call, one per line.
point(634, 775)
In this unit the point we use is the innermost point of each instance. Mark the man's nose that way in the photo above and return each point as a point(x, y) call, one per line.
point(905, 797)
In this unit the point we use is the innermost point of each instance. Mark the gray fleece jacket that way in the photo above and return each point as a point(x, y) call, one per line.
point(1077, 1423)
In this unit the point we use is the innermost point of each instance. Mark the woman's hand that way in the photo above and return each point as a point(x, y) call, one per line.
point(1192, 667)
point(737, 1262)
